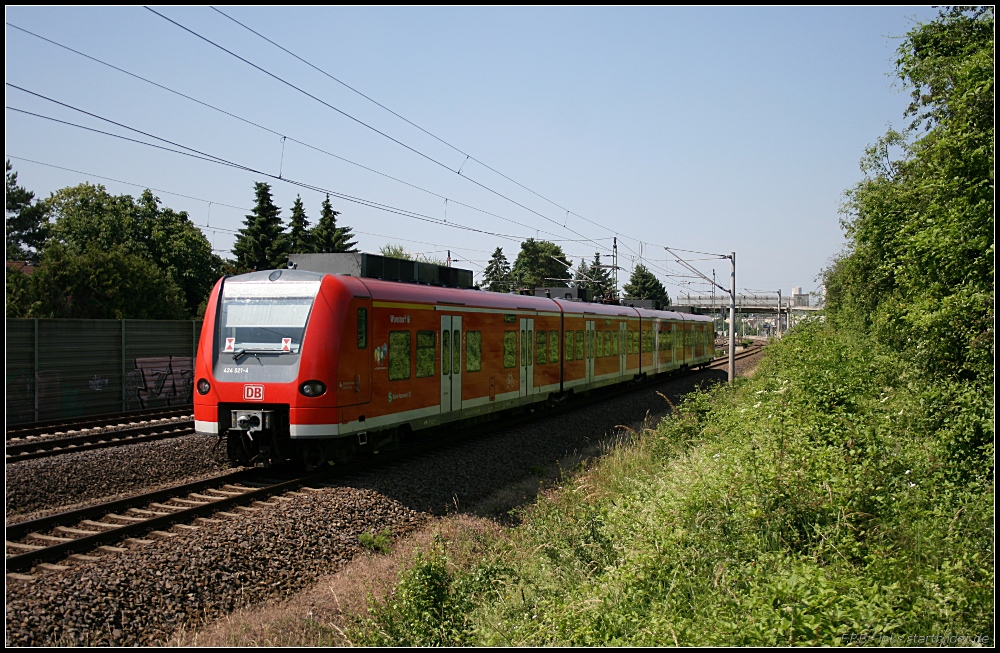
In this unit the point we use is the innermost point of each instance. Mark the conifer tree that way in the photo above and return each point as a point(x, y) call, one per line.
point(299, 236)
point(26, 220)
point(644, 285)
point(327, 236)
point(601, 280)
point(496, 277)
point(262, 243)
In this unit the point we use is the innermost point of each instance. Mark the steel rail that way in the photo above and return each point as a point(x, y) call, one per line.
point(55, 445)
point(96, 421)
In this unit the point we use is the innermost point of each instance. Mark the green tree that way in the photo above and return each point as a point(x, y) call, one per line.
point(496, 277)
point(178, 247)
point(392, 250)
point(262, 243)
point(918, 268)
point(89, 219)
point(97, 283)
point(26, 220)
point(300, 240)
point(541, 264)
point(601, 280)
point(644, 285)
point(327, 236)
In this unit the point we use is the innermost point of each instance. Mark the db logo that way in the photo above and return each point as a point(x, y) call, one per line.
point(253, 393)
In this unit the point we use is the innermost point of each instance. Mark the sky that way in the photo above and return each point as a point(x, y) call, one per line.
point(714, 130)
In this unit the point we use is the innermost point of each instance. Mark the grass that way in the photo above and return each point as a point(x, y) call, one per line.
point(838, 492)
point(377, 542)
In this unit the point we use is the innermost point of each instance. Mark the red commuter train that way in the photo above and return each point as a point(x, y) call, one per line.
point(301, 365)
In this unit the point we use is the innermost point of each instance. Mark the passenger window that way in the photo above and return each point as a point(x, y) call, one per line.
point(531, 344)
point(473, 351)
point(607, 343)
point(445, 352)
point(362, 328)
point(510, 349)
point(553, 346)
point(399, 355)
point(614, 344)
point(540, 348)
point(579, 345)
point(456, 354)
point(426, 357)
point(568, 346)
point(524, 356)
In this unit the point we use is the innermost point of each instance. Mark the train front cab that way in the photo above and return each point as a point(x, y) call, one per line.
point(268, 373)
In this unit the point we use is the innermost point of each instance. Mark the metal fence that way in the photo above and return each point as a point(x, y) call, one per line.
point(58, 369)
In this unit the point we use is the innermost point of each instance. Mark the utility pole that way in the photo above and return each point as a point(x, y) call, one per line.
point(778, 327)
point(732, 318)
point(732, 300)
point(615, 263)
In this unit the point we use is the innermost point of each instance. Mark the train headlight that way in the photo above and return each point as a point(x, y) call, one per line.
point(204, 386)
point(313, 388)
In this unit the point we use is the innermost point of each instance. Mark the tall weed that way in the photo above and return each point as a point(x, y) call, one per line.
point(836, 492)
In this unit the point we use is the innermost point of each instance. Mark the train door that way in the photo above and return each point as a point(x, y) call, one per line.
point(355, 374)
point(622, 347)
point(675, 344)
point(527, 357)
point(451, 363)
point(591, 334)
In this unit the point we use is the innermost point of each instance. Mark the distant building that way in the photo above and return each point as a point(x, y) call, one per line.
point(799, 298)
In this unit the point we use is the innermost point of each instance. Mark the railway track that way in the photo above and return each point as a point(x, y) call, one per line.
point(73, 536)
point(30, 444)
point(42, 447)
point(63, 426)
point(103, 528)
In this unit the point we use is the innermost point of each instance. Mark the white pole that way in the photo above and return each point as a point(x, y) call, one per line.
point(732, 319)
point(779, 313)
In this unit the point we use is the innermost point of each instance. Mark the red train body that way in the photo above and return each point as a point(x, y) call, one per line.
point(312, 366)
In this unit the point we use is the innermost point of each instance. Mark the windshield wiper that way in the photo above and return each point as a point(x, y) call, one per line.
point(240, 353)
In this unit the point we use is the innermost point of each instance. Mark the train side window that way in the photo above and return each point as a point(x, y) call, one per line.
point(568, 346)
point(510, 349)
point(607, 343)
point(531, 344)
point(456, 360)
point(426, 354)
point(445, 352)
point(473, 351)
point(362, 328)
point(553, 346)
point(579, 345)
point(540, 348)
point(399, 355)
point(524, 355)
point(614, 344)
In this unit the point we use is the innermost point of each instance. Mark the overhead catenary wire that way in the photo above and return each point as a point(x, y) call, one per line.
point(651, 262)
point(282, 136)
point(301, 142)
point(455, 148)
point(197, 154)
point(216, 203)
point(364, 124)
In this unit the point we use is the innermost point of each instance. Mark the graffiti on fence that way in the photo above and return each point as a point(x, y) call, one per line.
point(159, 381)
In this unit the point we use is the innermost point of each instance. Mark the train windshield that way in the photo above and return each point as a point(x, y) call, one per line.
point(265, 317)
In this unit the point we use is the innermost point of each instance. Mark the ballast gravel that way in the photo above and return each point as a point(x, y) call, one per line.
point(141, 596)
point(146, 594)
point(75, 479)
